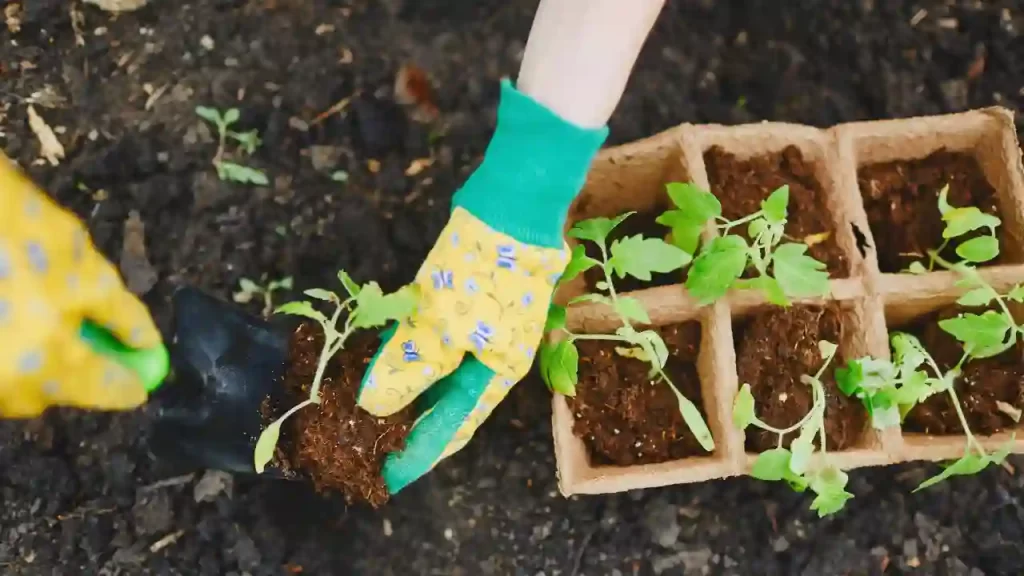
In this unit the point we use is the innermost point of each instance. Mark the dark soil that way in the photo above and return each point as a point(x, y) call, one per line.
point(641, 223)
point(79, 490)
point(336, 444)
point(982, 384)
point(625, 417)
point(773, 350)
point(741, 186)
point(901, 199)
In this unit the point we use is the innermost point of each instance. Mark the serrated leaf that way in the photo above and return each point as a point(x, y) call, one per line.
point(578, 264)
point(556, 318)
point(960, 221)
point(231, 116)
point(717, 267)
point(772, 465)
point(321, 294)
point(978, 250)
point(799, 274)
point(241, 174)
point(638, 257)
point(596, 229)
point(559, 367)
point(631, 309)
point(775, 206)
point(967, 465)
point(374, 308)
point(301, 308)
point(1016, 293)
point(265, 445)
point(209, 114)
point(909, 353)
point(699, 204)
point(743, 414)
point(978, 332)
point(247, 285)
point(977, 297)
point(350, 285)
point(694, 421)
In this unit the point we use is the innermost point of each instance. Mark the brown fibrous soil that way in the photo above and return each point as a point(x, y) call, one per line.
point(773, 350)
point(981, 385)
point(741, 185)
point(901, 199)
point(623, 415)
point(336, 444)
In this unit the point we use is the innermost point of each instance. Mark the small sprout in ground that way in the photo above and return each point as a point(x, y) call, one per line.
point(961, 221)
point(249, 289)
point(340, 176)
point(634, 256)
point(365, 307)
point(247, 142)
point(794, 464)
point(722, 261)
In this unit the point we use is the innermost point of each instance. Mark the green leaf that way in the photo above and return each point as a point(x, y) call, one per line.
point(769, 286)
point(944, 206)
point(830, 486)
point(917, 268)
point(241, 174)
point(597, 229)
point(694, 421)
point(231, 116)
point(597, 298)
point(827, 349)
point(556, 318)
point(719, 264)
point(849, 377)
point(321, 294)
point(699, 205)
point(771, 465)
point(346, 281)
point(631, 309)
point(909, 352)
point(757, 227)
point(978, 332)
point(967, 465)
point(209, 114)
point(247, 285)
point(265, 445)
point(775, 206)
point(559, 364)
point(743, 408)
point(960, 221)
point(978, 250)
point(1017, 293)
point(802, 448)
point(374, 308)
point(977, 297)
point(882, 417)
point(301, 308)
point(578, 264)
point(638, 257)
point(799, 274)
point(339, 176)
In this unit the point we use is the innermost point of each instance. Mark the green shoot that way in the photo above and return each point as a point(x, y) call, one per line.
point(634, 256)
point(365, 307)
point(247, 142)
point(722, 261)
point(958, 222)
point(793, 465)
point(249, 289)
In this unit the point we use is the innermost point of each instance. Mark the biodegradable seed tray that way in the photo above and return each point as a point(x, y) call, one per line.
point(632, 177)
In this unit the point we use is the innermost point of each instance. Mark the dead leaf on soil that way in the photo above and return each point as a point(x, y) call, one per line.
point(139, 274)
point(50, 147)
point(12, 17)
point(418, 165)
point(117, 5)
point(78, 25)
point(373, 165)
point(812, 239)
point(413, 88)
point(166, 541)
point(212, 484)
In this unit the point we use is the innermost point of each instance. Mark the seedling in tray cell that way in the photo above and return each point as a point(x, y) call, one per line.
point(247, 142)
point(960, 222)
point(634, 256)
point(793, 465)
point(784, 270)
point(365, 307)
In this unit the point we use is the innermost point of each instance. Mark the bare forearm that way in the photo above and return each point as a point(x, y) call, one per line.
point(580, 54)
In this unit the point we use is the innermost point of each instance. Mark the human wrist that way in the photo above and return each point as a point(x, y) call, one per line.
point(535, 165)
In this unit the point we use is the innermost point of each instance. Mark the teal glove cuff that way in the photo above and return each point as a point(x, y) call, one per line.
point(535, 165)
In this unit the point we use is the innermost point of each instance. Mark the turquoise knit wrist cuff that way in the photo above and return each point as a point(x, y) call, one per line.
point(535, 165)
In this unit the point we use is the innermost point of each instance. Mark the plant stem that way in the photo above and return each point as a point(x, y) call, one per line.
point(296, 408)
point(606, 337)
point(222, 130)
point(730, 224)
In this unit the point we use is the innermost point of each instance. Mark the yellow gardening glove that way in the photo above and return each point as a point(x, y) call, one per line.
point(55, 291)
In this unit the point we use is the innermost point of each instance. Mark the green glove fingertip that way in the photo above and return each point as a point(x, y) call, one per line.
point(151, 365)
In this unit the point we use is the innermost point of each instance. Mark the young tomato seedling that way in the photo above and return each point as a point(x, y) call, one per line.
point(247, 143)
point(722, 261)
point(365, 307)
point(958, 222)
point(794, 465)
point(634, 256)
point(248, 289)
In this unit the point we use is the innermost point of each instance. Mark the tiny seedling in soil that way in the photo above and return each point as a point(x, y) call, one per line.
point(793, 465)
point(247, 142)
point(974, 232)
point(249, 289)
point(365, 307)
point(783, 270)
point(634, 256)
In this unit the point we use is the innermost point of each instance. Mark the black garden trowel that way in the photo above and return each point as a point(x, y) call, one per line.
point(224, 364)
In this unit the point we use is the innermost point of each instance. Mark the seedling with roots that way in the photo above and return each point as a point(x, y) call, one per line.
point(634, 256)
point(784, 270)
point(249, 289)
point(793, 465)
point(247, 142)
point(365, 307)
